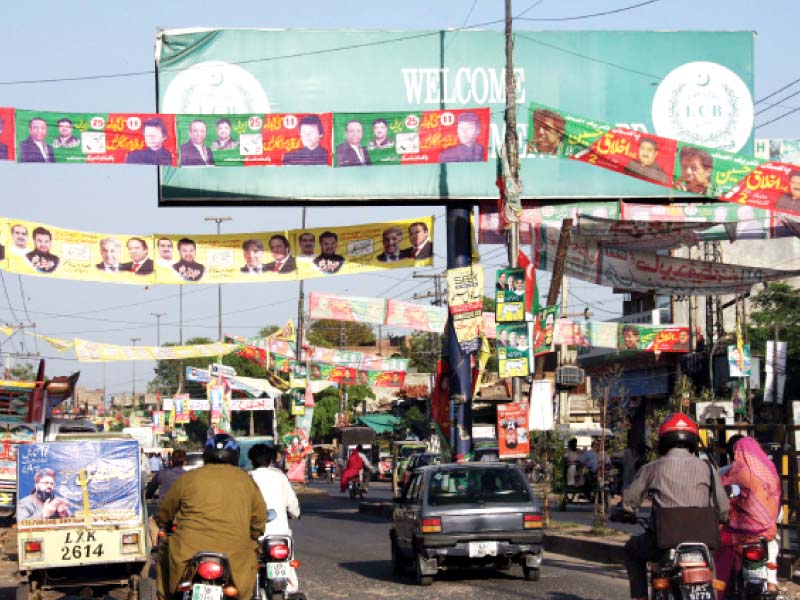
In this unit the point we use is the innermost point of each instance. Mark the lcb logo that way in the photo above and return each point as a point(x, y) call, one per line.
point(704, 103)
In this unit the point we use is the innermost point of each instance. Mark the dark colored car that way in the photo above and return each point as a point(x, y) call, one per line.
point(416, 461)
point(467, 514)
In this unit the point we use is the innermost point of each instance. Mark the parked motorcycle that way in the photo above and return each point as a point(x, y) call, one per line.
point(208, 576)
point(276, 566)
point(683, 572)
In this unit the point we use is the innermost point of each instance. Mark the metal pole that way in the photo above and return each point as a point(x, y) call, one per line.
point(301, 307)
point(133, 396)
point(158, 345)
point(459, 254)
point(218, 221)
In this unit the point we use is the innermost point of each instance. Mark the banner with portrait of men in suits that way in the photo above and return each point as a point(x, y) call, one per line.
point(422, 137)
point(254, 140)
point(32, 248)
point(97, 138)
point(8, 150)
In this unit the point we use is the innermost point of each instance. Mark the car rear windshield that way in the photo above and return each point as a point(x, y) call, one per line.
point(460, 486)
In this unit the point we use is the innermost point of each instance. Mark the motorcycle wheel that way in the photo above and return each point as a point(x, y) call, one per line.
point(352, 492)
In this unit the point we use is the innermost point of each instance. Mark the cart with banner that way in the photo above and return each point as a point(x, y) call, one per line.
point(81, 506)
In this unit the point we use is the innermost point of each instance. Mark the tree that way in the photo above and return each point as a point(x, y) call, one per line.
point(23, 372)
point(776, 308)
point(333, 334)
point(421, 350)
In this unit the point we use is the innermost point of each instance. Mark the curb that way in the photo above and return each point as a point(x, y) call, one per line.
point(583, 547)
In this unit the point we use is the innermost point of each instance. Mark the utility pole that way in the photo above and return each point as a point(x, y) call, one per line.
point(218, 221)
point(512, 154)
point(158, 345)
point(133, 397)
point(435, 348)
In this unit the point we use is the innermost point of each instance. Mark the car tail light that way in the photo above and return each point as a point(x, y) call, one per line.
point(661, 583)
point(230, 591)
point(130, 538)
point(33, 546)
point(753, 552)
point(279, 551)
point(209, 570)
point(532, 521)
point(698, 575)
point(294, 563)
point(433, 525)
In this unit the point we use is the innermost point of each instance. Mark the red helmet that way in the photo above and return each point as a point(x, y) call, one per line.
point(678, 429)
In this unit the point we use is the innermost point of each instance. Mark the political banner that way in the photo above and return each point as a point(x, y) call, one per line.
point(11, 435)
point(336, 374)
point(326, 251)
point(465, 300)
point(653, 338)
point(346, 308)
point(380, 363)
point(739, 361)
point(419, 137)
point(87, 351)
point(298, 375)
point(415, 316)
point(181, 408)
point(63, 484)
point(509, 295)
point(543, 330)
point(254, 140)
point(4, 241)
point(773, 186)
point(489, 325)
point(8, 150)
point(541, 410)
point(513, 349)
point(158, 424)
point(97, 138)
point(332, 356)
point(440, 398)
point(387, 379)
point(512, 430)
point(786, 150)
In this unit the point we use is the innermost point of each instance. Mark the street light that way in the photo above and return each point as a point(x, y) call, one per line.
point(219, 220)
point(133, 397)
point(158, 345)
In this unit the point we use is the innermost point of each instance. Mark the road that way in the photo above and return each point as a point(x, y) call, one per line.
point(345, 554)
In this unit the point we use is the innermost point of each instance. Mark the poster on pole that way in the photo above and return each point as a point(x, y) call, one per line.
point(509, 295)
point(541, 410)
point(465, 298)
point(512, 430)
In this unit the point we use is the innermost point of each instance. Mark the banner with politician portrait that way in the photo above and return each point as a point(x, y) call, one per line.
point(63, 484)
point(653, 338)
point(326, 251)
point(513, 349)
point(4, 238)
point(512, 430)
point(509, 295)
point(98, 138)
point(420, 137)
point(346, 308)
point(8, 150)
point(543, 330)
point(336, 374)
point(254, 140)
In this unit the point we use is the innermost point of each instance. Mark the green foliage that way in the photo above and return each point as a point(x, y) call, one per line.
point(421, 350)
point(23, 372)
point(333, 334)
point(777, 306)
point(268, 330)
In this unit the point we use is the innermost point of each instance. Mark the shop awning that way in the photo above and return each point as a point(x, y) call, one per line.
point(380, 423)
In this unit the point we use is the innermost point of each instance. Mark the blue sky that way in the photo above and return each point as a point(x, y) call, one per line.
point(57, 40)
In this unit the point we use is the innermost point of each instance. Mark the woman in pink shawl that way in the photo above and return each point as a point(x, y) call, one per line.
point(754, 511)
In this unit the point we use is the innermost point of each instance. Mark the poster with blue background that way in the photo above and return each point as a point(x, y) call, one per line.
point(91, 483)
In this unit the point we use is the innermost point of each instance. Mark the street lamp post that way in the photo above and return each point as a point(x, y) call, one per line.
point(133, 397)
point(158, 345)
point(218, 221)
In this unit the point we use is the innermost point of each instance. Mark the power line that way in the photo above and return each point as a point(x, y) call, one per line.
point(589, 16)
point(776, 104)
point(776, 92)
point(27, 314)
point(786, 114)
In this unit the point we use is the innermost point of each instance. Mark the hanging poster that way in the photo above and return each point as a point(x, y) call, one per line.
point(739, 361)
point(509, 295)
point(215, 398)
point(512, 430)
point(8, 150)
point(513, 349)
point(653, 338)
point(541, 411)
point(181, 408)
point(543, 330)
point(325, 372)
point(99, 138)
point(465, 299)
point(298, 377)
point(393, 138)
point(415, 316)
point(158, 422)
point(346, 308)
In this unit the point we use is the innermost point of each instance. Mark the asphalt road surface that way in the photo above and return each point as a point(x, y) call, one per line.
point(345, 554)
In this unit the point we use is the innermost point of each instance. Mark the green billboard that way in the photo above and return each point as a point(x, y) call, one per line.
point(695, 86)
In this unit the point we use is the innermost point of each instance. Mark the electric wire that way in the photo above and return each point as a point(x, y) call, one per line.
point(589, 16)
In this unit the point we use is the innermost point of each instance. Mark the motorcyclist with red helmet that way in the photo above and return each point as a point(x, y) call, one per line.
point(677, 479)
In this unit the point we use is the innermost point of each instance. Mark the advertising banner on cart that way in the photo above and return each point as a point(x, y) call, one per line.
point(261, 72)
point(61, 484)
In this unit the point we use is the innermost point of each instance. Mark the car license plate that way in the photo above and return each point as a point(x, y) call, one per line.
point(201, 591)
point(478, 549)
point(278, 570)
point(757, 573)
point(701, 592)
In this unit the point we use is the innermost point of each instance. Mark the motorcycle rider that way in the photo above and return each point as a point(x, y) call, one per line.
point(677, 479)
point(278, 494)
point(356, 462)
point(217, 508)
point(754, 511)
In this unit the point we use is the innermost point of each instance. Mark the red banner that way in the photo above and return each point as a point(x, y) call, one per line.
point(774, 186)
point(512, 430)
point(7, 149)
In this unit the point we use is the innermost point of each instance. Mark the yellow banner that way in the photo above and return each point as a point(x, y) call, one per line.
point(34, 248)
point(87, 351)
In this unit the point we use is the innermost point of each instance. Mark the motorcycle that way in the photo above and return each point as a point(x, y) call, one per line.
point(358, 486)
point(208, 577)
point(683, 572)
point(276, 566)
